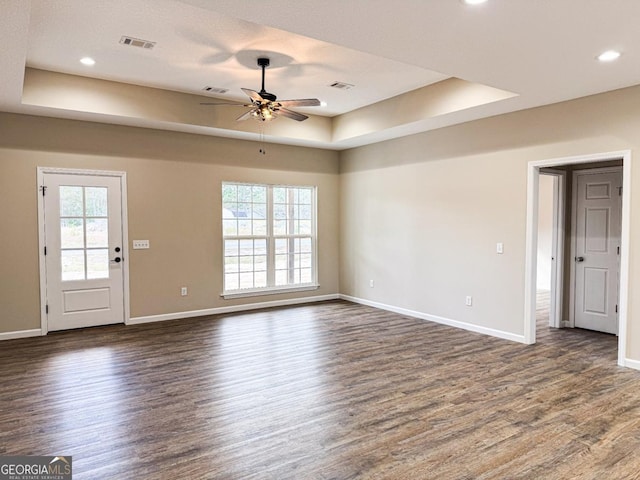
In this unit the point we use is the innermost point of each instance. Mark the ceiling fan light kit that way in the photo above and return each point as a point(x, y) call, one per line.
point(265, 106)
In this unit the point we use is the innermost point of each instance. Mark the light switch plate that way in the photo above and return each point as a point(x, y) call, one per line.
point(499, 247)
point(140, 244)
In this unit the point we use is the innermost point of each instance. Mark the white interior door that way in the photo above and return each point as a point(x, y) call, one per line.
point(84, 250)
point(597, 249)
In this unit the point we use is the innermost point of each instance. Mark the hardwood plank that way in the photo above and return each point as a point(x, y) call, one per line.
point(324, 391)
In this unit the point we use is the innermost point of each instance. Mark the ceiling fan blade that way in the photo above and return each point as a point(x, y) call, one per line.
point(245, 116)
point(303, 102)
point(291, 114)
point(229, 104)
point(255, 96)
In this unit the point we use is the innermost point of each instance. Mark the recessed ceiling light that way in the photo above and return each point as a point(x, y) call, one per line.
point(474, 2)
point(608, 56)
point(323, 103)
point(88, 61)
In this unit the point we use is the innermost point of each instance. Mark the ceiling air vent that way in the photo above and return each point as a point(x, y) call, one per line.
point(137, 42)
point(217, 90)
point(342, 85)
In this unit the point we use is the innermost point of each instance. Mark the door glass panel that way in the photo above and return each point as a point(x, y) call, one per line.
point(97, 233)
point(71, 202)
point(84, 233)
point(98, 263)
point(71, 233)
point(72, 265)
point(96, 201)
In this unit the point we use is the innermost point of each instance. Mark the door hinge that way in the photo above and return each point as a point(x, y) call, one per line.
point(616, 308)
point(619, 191)
point(46, 309)
point(45, 251)
point(43, 189)
point(618, 250)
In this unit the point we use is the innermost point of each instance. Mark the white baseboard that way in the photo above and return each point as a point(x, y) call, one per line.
point(230, 309)
point(635, 364)
point(436, 319)
point(36, 332)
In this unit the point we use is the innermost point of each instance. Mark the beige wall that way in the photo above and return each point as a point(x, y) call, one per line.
point(421, 215)
point(173, 199)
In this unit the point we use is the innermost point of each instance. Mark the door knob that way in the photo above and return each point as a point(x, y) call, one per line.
point(579, 259)
point(117, 259)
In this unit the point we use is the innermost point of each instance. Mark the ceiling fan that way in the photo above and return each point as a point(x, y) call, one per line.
point(265, 106)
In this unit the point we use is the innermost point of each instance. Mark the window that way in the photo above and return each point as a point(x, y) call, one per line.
point(269, 238)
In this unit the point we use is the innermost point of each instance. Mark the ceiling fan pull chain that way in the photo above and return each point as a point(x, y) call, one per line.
point(262, 149)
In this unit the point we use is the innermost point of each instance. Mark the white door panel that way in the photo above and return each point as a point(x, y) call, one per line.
point(598, 220)
point(83, 237)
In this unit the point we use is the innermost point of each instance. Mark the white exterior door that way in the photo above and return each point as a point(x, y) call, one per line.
point(82, 216)
point(597, 249)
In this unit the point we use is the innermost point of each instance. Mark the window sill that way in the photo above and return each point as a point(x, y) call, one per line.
point(268, 291)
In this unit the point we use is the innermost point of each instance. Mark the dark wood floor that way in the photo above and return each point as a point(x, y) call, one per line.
point(325, 391)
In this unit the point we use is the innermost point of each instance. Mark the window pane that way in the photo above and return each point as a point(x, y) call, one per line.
point(304, 227)
point(279, 194)
point(96, 201)
point(71, 233)
point(72, 265)
point(231, 281)
point(282, 262)
point(98, 263)
point(71, 202)
point(97, 233)
point(259, 227)
point(260, 263)
point(231, 248)
point(244, 227)
point(260, 280)
point(260, 247)
point(281, 277)
point(246, 263)
point(244, 193)
point(228, 209)
point(246, 280)
point(229, 227)
point(231, 265)
point(305, 275)
point(246, 247)
point(305, 196)
point(259, 194)
point(229, 193)
point(280, 227)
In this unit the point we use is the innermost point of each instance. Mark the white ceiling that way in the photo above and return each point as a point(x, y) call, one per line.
point(542, 50)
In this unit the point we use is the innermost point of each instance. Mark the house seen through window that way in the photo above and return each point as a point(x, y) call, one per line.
point(269, 237)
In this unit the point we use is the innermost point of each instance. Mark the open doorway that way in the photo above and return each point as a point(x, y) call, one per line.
point(550, 247)
point(550, 271)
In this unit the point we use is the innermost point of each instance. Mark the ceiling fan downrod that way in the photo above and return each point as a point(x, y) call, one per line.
point(264, 62)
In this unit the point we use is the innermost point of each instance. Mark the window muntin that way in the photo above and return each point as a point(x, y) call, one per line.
point(268, 237)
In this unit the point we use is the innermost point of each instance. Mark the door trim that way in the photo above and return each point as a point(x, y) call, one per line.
point(533, 173)
point(41, 171)
point(574, 238)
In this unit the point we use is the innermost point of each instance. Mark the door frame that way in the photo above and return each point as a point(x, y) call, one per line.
point(574, 238)
point(41, 171)
point(557, 246)
point(533, 174)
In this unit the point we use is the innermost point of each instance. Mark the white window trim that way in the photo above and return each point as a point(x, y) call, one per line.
point(274, 290)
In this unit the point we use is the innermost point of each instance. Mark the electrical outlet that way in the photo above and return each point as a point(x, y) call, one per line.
point(183, 291)
point(499, 247)
point(468, 301)
point(371, 283)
